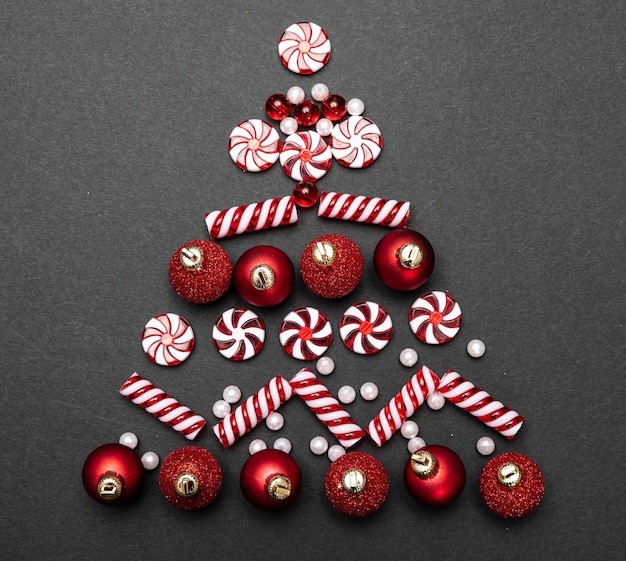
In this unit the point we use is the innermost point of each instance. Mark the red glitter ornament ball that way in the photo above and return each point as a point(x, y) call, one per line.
point(434, 475)
point(112, 474)
point(306, 194)
point(306, 113)
point(200, 271)
point(404, 259)
point(356, 484)
point(190, 478)
point(334, 107)
point(511, 485)
point(331, 266)
point(277, 107)
point(270, 479)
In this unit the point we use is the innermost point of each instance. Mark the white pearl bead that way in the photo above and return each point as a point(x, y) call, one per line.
point(346, 394)
point(256, 446)
point(409, 429)
point(289, 125)
point(129, 439)
point(485, 446)
point(355, 106)
point(324, 126)
point(295, 94)
point(415, 444)
point(436, 401)
point(336, 451)
point(369, 391)
point(231, 394)
point(318, 445)
point(283, 444)
point(275, 421)
point(325, 365)
point(408, 357)
point(319, 92)
point(476, 348)
point(150, 460)
point(221, 408)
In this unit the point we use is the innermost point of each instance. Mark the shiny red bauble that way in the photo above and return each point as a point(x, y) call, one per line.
point(270, 479)
point(334, 107)
point(113, 474)
point(278, 107)
point(434, 475)
point(200, 271)
point(404, 259)
point(306, 113)
point(190, 478)
point(264, 276)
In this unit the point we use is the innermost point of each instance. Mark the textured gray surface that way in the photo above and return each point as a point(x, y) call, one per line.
point(503, 125)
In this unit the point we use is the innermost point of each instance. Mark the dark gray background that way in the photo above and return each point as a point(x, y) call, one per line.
point(503, 125)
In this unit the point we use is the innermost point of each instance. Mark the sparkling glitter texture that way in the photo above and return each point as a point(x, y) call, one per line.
point(516, 501)
point(201, 465)
point(366, 501)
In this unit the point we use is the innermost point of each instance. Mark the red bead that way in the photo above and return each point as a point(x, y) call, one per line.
point(270, 479)
point(190, 478)
point(443, 485)
point(264, 276)
point(306, 113)
point(112, 474)
point(306, 194)
point(334, 107)
point(277, 107)
point(404, 259)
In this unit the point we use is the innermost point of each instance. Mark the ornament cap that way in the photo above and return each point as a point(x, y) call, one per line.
point(410, 255)
point(279, 487)
point(262, 277)
point(191, 257)
point(424, 464)
point(324, 253)
point(510, 474)
point(353, 480)
point(110, 486)
point(187, 485)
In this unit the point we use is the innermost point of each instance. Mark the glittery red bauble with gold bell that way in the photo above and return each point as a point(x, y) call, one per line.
point(264, 276)
point(112, 474)
point(434, 475)
point(190, 478)
point(270, 479)
point(404, 259)
point(331, 266)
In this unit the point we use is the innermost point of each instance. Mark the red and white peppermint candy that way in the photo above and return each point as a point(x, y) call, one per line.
point(304, 47)
point(239, 334)
point(305, 156)
point(254, 145)
point(167, 339)
point(366, 328)
point(305, 333)
point(435, 318)
point(356, 142)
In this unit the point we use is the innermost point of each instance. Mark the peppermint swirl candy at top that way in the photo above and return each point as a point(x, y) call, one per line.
point(167, 339)
point(366, 328)
point(254, 145)
point(304, 48)
point(305, 333)
point(435, 318)
point(239, 334)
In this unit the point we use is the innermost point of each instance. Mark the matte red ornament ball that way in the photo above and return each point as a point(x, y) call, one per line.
point(190, 478)
point(512, 485)
point(264, 276)
point(331, 266)
point(404, 259)
point(200, 271)
point(356, 484)
point(270, 479)
point(434, 475)
point(113, 474)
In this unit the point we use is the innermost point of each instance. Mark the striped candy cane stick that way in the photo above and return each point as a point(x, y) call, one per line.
point(404, 404)
point(326, 408)
point(372, 210)
point(249, 218)
point(162, 406)
point(480, 404)
point(252, 411)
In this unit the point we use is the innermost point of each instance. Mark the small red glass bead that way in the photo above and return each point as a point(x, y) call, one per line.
point(306, 194)
point(334, 107)
point(277, 107)
point(306, 113)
